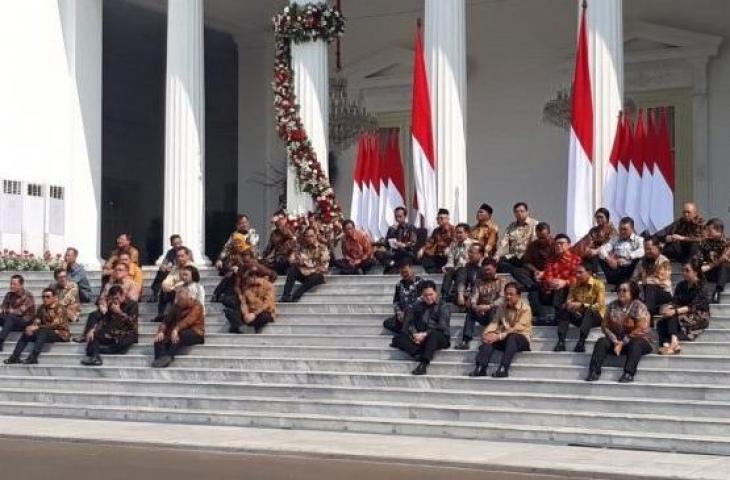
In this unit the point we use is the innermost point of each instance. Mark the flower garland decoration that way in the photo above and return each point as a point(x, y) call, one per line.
point(303, 23)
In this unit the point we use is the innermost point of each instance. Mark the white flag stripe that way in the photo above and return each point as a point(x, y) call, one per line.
point(580, 189)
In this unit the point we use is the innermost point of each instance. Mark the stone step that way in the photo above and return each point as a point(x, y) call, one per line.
point(432, 428)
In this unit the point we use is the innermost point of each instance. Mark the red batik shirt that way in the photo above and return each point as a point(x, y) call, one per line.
point(562, 268)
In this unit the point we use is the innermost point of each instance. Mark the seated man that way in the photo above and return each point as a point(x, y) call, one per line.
point(483, 301)
point(183, 327)
point(357, 251)
point(257, 303)
point(282, 242)
point(621, 254)
point(231, 266)
point(124, 245)
point(121, 278)
point(115, 331)
point(67, 293)
point(77, 274)
point(401, 239)
point(172, 281)
point(584, 308)
point(714, 256)
point(309, 264)
point(535, 259)
point(407, 292)
point(653, 274)
point(231, 298)
point(135, 273)
point(166, 265)
point(49, 325)
point(457, 256)
point(682, 237)
point(467, 276)
point(510, 332)
point(243, 227)
point(513, 244)
point(427, 328)
point(558, 277)
point(486, 230)
point(590, 245)
point(433, 255)
point(17, 309)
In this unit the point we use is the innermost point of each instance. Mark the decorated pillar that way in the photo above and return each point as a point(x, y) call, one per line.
point(311, 88)
point(184, 196)
point(445, 50)
point(606, 57)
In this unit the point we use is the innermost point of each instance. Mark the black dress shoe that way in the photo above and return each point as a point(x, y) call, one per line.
point(234, 329)
point(92, 361)
point(593, 376)
point(560, 346)
point(716, 297)
point(479, 371)
point(464, 345)
point(79, 339)
point(626, 378)
point(421, 369)
point(162, 362)
point(501, 372)
point(31, 360)
point(580, 347)
point(11, 360)
point(285, 299)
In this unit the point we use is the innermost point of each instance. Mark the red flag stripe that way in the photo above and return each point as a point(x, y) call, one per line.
point(665, 158)
point(421, 107)
point(582, 101)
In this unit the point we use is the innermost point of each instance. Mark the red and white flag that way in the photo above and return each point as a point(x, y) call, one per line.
point(662, 192)
point(610, 180)
point(396, 190)
point(383, 184)
point(424, 158)
point(624, 163)
point(580, 163)
point(647, 173)
point(636, 168)
point(357, 184)
point(373, 179)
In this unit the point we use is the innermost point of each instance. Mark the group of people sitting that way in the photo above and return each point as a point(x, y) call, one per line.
point(558, 277)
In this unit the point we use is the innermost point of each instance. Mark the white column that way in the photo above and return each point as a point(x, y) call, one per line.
point(445, 50)
point(311, 87)
point(82, 31)
point(606, 54)
point(184, 196)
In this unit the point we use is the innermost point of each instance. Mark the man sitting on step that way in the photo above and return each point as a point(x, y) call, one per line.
point(407, 292)
point(257, 301)
point(77, 274)
point(682, 237)
point(116, 331)
point(357, 251)
point(556, 280)
point(535, 259)
point(434, 254)
point(172, 281)
point(183, 327)
point(486, 230)
point(166, 265)
point(67, 293)
point(457, 256)
point(135, 273)
point(309, 264)
point(584, 307)
point(516, 238)
point(245, 263)
point(17, 309)
point(483, 301)
point(653, 274)
point(282, 242)
point(620, 255)
point(510, 331)
point(714, 256)
point(401, 240)
point(124, 245)
point(50, 324)
point(243, 227)
point(426, 329)
point(468, 275)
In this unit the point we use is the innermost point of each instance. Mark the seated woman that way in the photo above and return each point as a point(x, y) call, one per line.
point(688, 314)
point(184, 326)
point(627, 329)
point(509, 331)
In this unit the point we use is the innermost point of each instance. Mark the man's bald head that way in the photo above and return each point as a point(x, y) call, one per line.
point(689, 211)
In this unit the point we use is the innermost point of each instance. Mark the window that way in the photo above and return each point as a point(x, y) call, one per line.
point(11, 187)
point(56, 192)
point(35, 190)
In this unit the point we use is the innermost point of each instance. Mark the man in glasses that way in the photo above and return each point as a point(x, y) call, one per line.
point(50, 324)
point(17, 309)
point(67, 292)
point(622, 253)
point(558, 277)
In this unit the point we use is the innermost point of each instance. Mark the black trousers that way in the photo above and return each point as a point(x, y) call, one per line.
point(346, 269)
point(425, 351)
point(471, 320)
point(224, 287)
point(39, 338)
point(654, 297)
point(397, 257)
point(393, 325)
point(447, 285)
point(11, 323)
point(307, 283)
point(680, 251)
point(108, 345)
point(539, 298)
point(157, 282)
point(584, 321)
point(278, 264)
point(620, 274)
point(91, 320)
point(235, 319)
point(166, 300)
point(666, 327)
point(510, 345)
point(633, 351)
point(166, 348)
point(720, 275)
point(433, 263)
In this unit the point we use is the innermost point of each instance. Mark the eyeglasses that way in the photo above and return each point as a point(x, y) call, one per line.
point(47, 295)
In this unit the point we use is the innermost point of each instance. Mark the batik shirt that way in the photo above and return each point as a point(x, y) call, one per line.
point(516, 238)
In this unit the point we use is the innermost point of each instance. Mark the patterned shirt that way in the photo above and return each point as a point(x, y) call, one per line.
point(457, 254)
point(120, 326)
point(251, 239)
point(53, 318)
point(656, 271)
point(128, 285)
point(592, 295)
point(259, 296)
point(538, 252)
point(561, 268)
point(440, 240)
point(517, 319)
point(694, 229)
point(595, 238)
point(68, 297)
point(20, 304)
point(405, 233)
point(516, 238)
point(282, 242)
point(623, 323)
point(132, 251)
point(628, 249)
point(714, 251)
point(487, 235)
point(314, 259)
point(359, 247)
point(406, 294)
point(487, 291)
